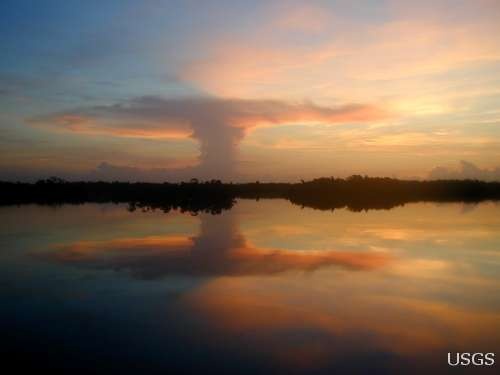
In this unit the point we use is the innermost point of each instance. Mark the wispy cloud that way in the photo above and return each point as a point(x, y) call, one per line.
point(288, 54)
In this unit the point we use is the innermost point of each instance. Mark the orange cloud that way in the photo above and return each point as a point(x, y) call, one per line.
point(346, 58)
point(154, 116)
point(218, 124)
point(92, 125)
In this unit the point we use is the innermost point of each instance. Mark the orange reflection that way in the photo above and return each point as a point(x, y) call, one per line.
point(321, 331)
point(85, 250)
point(219, 250)
point(432, 300)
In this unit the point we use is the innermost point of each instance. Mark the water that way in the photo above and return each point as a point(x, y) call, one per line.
point(266, 287)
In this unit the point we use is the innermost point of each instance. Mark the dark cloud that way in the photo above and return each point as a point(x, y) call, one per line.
point(466, 170)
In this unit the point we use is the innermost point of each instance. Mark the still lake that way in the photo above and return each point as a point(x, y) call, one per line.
point(266, 287)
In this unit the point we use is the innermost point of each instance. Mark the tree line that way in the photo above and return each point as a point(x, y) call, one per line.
point(355, 193)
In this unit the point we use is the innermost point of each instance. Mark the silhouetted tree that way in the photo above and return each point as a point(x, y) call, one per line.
point(356, 193)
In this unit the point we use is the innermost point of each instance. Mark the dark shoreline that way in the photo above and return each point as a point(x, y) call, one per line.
point(356, 193)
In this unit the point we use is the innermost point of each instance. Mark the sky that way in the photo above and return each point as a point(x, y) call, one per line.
point(243, 91)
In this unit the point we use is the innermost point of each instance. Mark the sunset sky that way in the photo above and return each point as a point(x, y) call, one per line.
point(246, 90)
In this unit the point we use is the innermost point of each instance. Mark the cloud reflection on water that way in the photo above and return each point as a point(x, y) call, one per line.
point(243, 288)
point(219, 250)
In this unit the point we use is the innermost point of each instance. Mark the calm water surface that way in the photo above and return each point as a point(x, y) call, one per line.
point(266, 287)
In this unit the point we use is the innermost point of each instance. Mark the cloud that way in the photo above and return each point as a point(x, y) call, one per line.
point(466, 170)
point(218, 124)
point(319, 51)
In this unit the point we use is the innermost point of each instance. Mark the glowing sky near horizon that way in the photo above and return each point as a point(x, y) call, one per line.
point(270, 90)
